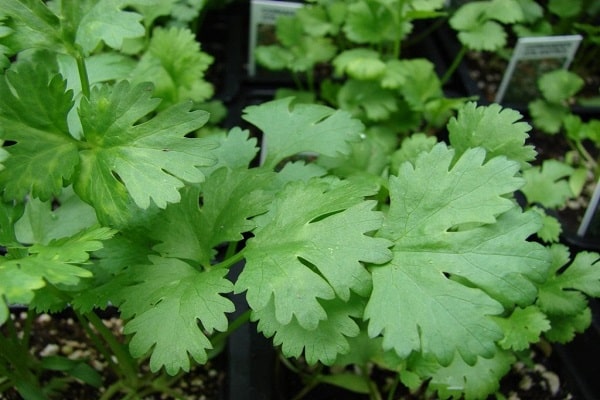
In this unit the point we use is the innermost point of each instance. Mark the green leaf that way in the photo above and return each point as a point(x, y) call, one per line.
point(176, 66)
point(560, 85)
point(476, 23)
point(548, 184)
point(320, 344)
point(347, 381)
point(366, 100)
point(565, 327)
point(522, 327)
point(316, 20)
point(302, 128)
point(56, 263)
point(421, 82)
point(565, 9)
point(9, 214)
point(39, 126)
point(32, 25)
point(410, 148)
point(79, 369)
point(147, 160)
point(42, 222)
point(118, 253)
point(563, 294)
point(229, 199)
point(489, 36)
point(394, 76)
point(359, 63)
point(310, 246)
point(551, 227)
point(371, 21)
point(548, 117)
point(170, 306)
point(301, 50)
point(471, 382)
point(500, 131)
point(103, 21)
point(235, 149)
point(101, 67)
point(505, 11)
point(460, 254)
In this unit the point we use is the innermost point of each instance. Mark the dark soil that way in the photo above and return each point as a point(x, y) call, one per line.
point(62, 335)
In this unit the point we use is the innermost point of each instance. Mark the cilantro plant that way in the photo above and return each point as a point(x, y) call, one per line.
point(111, 197)
point(353, 54)
point(571, 175)
point(482, 26)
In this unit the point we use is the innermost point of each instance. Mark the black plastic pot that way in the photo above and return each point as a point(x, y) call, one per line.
point(579, 359)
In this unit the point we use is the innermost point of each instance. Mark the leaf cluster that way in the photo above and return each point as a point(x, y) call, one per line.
point(556, 181)
point(110, 197)
point(350, 54)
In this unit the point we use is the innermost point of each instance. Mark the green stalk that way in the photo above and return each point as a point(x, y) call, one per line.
point(392, 392)
point(231, 249)
point(233, 326)
point(83, 75)
point(589, 159)
point(455, 63)
point(99, 345)
point(112, 390)
point(126, 362)
point(230, 261)
point(373, 391)
point(310, 79)
point(15, 365)
point(27, 326)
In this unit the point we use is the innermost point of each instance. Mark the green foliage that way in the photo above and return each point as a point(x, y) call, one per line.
point(355, 247)
point(552, 114)
point(479, 23)
point(360, 42)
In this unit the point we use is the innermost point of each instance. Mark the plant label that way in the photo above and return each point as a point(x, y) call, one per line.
point(531, 58)
point(590, 225)
point(263, 14)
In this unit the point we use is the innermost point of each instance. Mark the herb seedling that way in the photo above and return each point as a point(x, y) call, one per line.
point(428, 261)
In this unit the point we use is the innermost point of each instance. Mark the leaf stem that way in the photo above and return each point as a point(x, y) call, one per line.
point(228, 262)
point(83, 75)
point(455, 63)
point(98, 344)
point(127, 363)
point(373, 391)
point(220, 337)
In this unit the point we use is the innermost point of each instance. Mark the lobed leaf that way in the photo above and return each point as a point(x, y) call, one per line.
point(499, 131)
point(548, 184)
point(32, 25)
point(560, 85)
point(229, 199)
point(175, 64)
point(365, 100)
point(57, 263)
point(170, 305)
point(461, 380)
point(310, 246)
point(460, 255)
point(129, 156)
point(302, 128)
point(38, 125)
point(564, 293)
point(324, 343)
point(103, 21)
point(522, 327)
